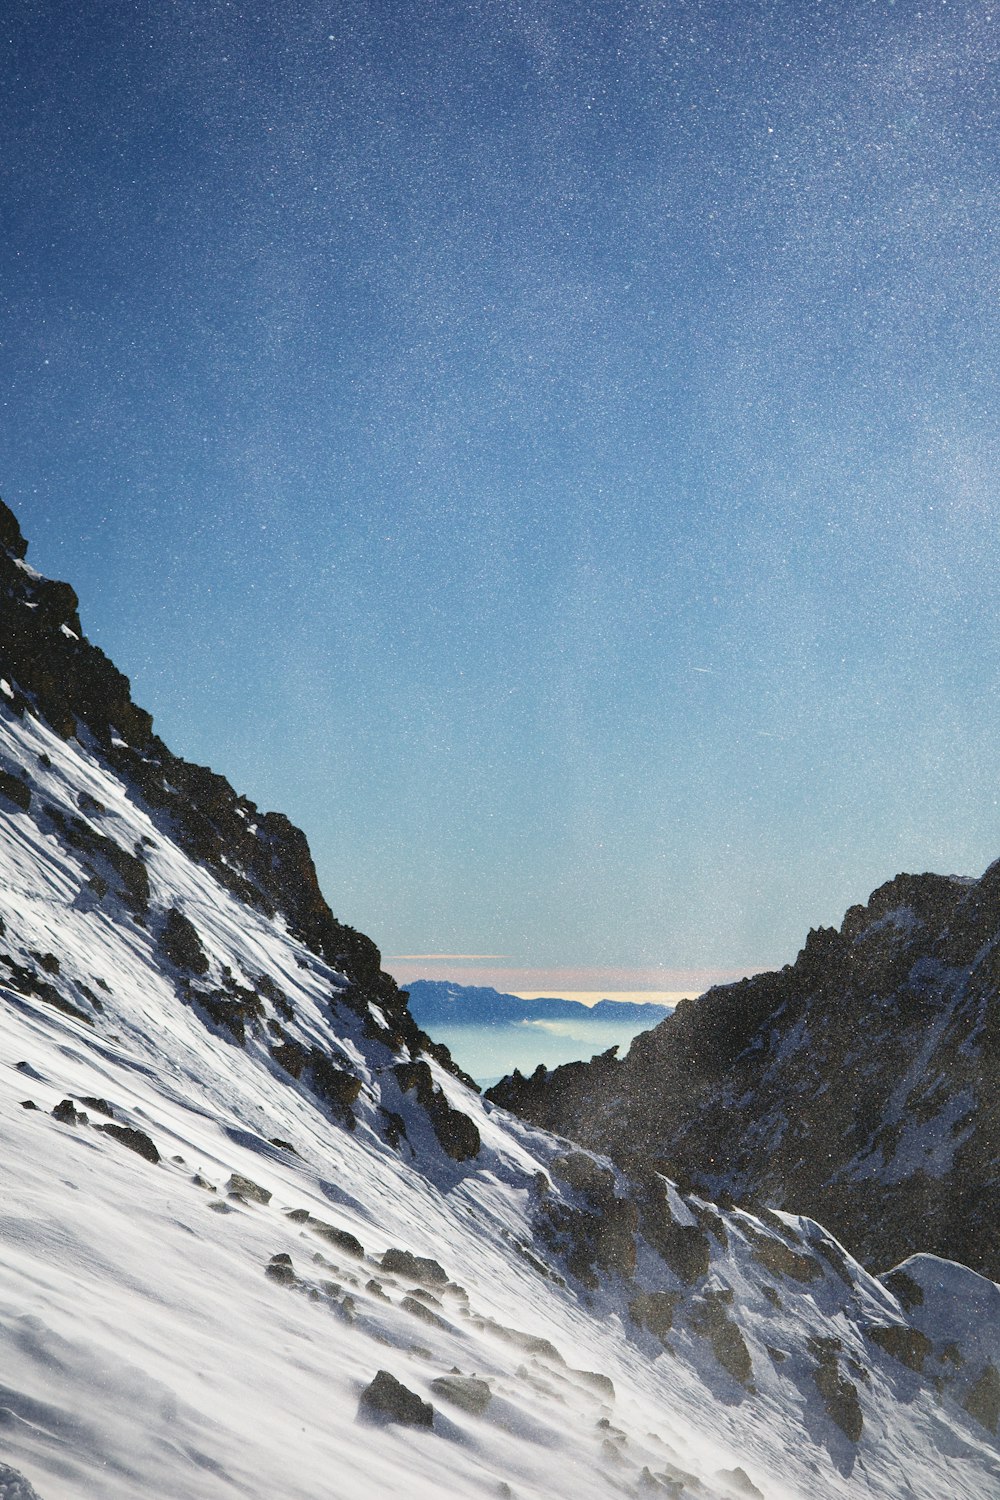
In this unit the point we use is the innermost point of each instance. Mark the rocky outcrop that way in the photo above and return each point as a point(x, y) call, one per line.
point(388, 1400)
point(52, 669)
point(456, 1133)
point(858, 1085)
point(48, 668)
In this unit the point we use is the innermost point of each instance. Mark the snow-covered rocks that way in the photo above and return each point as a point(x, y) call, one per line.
point(204, 1321)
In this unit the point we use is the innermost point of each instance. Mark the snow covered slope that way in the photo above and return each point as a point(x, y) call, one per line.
point(237, 1186)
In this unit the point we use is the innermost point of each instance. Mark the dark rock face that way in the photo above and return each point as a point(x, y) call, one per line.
point(414, 1267)
point(135, 1140)
point(181, 943)
point(60, 675)
point(908, 1345)
point(67, 1113)
point(710, 1319)
point(982, 1400)
point(840, 1395)
point(388, 1400)
point(655, 1311)
point(456, 1133)
point(858, 1085)
point(246, 1188)
point(340, 1238)
point(50, 670)
point(13, 1485)
point(15, 790)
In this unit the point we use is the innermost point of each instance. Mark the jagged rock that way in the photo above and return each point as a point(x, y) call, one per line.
point(291, 1056)
point(100, 1106)
point(654, 1484)
point(67, 1114)
point(13, 1485)
point(394, 1126)
point(465, 1391)
point(273, 992)
point(56, 674)
point(710, 1319)
point(655, 1311)
point(614, 1237)
point(10, 533)
point(248, 1189)
point(780, 1260)
point(180, 942)
point(901, 1284)
point(15, 790)
point(605, 1237)
point(739, 1480)
point(336, 1086)
point(414, 1267)
point(388, 1400)
point(603, 1384)
point(418, 1309)
point(820, 1128)
point(587, 1176)
point(982, 1399)
point(279, 1268)
point(26, 981)
point(840, 1395)
point(456, 1133)
point(339, 1237)
point(908, 1345)
point(135, 1140)
point(684, 1247)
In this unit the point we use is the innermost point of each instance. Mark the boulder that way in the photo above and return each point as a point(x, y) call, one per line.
point(466, 1391)
point(135, 1140)
point(388, 1400)
point(247, 1188)
point(414, 1267)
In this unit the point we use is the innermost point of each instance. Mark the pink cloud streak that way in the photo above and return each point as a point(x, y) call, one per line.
point(516, 979)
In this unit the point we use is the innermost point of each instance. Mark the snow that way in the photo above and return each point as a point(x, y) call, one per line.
point(144, 1350)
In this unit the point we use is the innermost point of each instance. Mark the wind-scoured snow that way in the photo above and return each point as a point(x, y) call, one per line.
point(151, 1344)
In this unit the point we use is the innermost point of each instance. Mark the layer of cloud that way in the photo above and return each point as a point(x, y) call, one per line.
point(577, 981)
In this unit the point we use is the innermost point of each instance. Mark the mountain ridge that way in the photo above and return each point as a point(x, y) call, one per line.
point(858, 1084)
point(440, 1002)
point(258, 1237)
point(261, 857)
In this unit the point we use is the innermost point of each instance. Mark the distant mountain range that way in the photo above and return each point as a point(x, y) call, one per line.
point(436, 1002)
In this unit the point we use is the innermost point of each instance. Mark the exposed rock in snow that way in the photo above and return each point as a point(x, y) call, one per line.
point(202, 1317)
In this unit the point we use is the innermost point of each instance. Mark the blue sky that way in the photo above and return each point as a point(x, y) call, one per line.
point(549, 450)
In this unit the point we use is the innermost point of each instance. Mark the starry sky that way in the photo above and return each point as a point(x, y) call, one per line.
point(548, 448)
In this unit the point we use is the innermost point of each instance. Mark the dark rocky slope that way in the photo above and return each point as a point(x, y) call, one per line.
point(860, 1085)
point(49, 670)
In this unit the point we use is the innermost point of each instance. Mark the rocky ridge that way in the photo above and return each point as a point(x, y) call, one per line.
point(50, 671)
point(220, 1147)
point(859, 1084)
